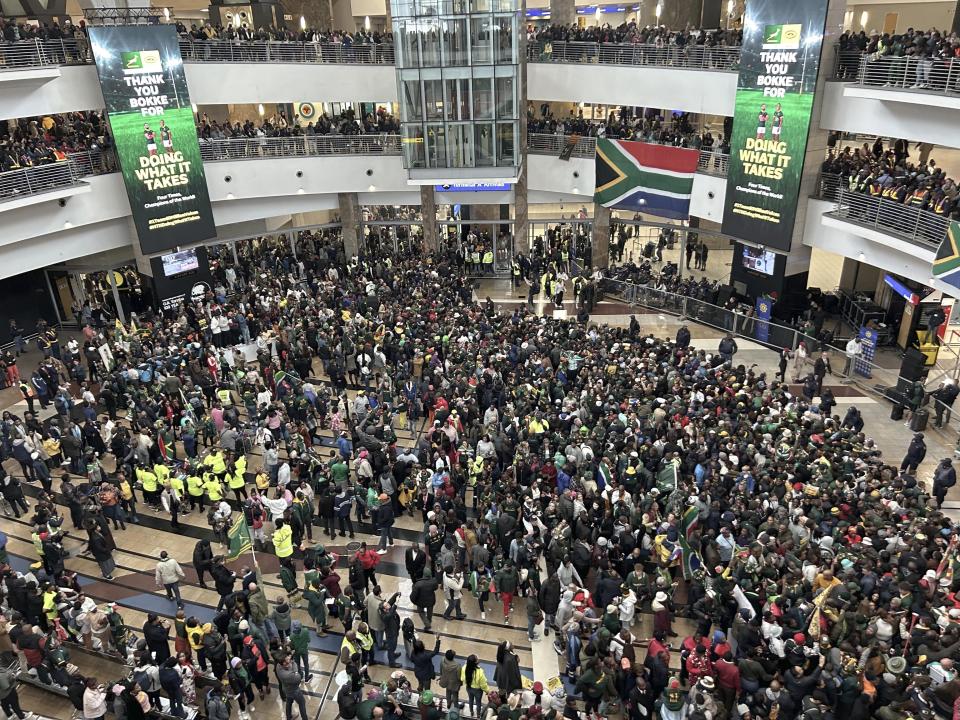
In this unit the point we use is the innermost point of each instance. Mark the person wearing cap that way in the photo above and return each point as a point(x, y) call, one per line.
point(384, 519)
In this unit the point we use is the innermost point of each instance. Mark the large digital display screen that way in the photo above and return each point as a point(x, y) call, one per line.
point(779, 61)
point(148, 108)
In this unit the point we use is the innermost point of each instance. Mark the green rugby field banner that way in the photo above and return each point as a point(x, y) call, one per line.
point(148, 107)
point(777, 78)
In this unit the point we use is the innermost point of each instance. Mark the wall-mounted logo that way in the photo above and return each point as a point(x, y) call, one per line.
point(782, 37)
point(199, 291)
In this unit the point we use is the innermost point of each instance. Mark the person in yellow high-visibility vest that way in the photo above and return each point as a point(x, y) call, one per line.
point(488, 261)
point(162, 472)
point(195, 490)
point(237, 483)
point(216, 464)
point(148, 481)
point(283, 542)
point(213, 488)
point(225, 397)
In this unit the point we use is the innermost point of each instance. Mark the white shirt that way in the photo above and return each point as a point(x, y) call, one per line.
point(854, 348)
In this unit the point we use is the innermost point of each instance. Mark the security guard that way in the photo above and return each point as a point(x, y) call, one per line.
point(283, 541)
point(515, 272)
point(213, 488)
point(148, 481)
point(195, 489)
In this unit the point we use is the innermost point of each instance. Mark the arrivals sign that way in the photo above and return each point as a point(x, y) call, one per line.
point(778, 75)
point(148, 106)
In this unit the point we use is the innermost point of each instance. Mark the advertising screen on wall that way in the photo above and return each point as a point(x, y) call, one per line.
point(778, 76)
point(148, 106)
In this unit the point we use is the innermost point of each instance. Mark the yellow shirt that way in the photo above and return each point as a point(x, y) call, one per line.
point(194, 486)
point(147, 479)
point(213, 487)
point(283, 541)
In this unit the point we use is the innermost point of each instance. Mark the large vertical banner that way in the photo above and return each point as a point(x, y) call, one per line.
point(778, 75)
point(148, 106)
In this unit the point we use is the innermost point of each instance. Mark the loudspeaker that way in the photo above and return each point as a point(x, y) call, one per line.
point(912, 367)
point(723, 294)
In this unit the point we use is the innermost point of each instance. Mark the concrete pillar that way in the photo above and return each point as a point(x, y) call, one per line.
point(350, 220)
point(562, 12)
point(428, 208)
point(343, 15)
point(601, 236)
point(711, 12)
point(673, 14)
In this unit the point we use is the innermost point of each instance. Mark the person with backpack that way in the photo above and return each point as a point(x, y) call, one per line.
point(240, 686)
point(217, 707)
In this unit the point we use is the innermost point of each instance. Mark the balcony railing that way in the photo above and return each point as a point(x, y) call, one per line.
point(547, 144)
point(926, 75)
point(694, 57)
point(284, 52)
point(43, 53)
point(42, 178)
point(712, 162)
point(920, 227)
point(301, 146)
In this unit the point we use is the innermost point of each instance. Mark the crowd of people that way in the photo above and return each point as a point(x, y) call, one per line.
point(890, 173)
point(378, 122)
point(577, 477)
point(915, 58)
point(625, 124)
point(28, 142)
point(633, 33)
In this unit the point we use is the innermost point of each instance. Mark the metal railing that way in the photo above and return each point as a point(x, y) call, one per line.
point(550, 144)
point(300, 146)
point(925, 74)
point(869, 376)
point(42, 178)
point(76, 51)
point(284, 52)
point(696, 57)
point(910, 223)
point(42, 53)
point(712, 162)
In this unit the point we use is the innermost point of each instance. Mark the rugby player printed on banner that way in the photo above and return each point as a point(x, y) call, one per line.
point(778, 76)
point(148, 107)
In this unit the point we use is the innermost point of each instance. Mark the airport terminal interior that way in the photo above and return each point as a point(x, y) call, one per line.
point(479, 359)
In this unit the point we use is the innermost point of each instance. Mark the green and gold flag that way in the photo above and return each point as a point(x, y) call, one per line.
point(239, 538)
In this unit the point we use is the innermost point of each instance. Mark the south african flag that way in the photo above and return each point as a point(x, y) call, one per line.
point(946, 264)
point(645, 177)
